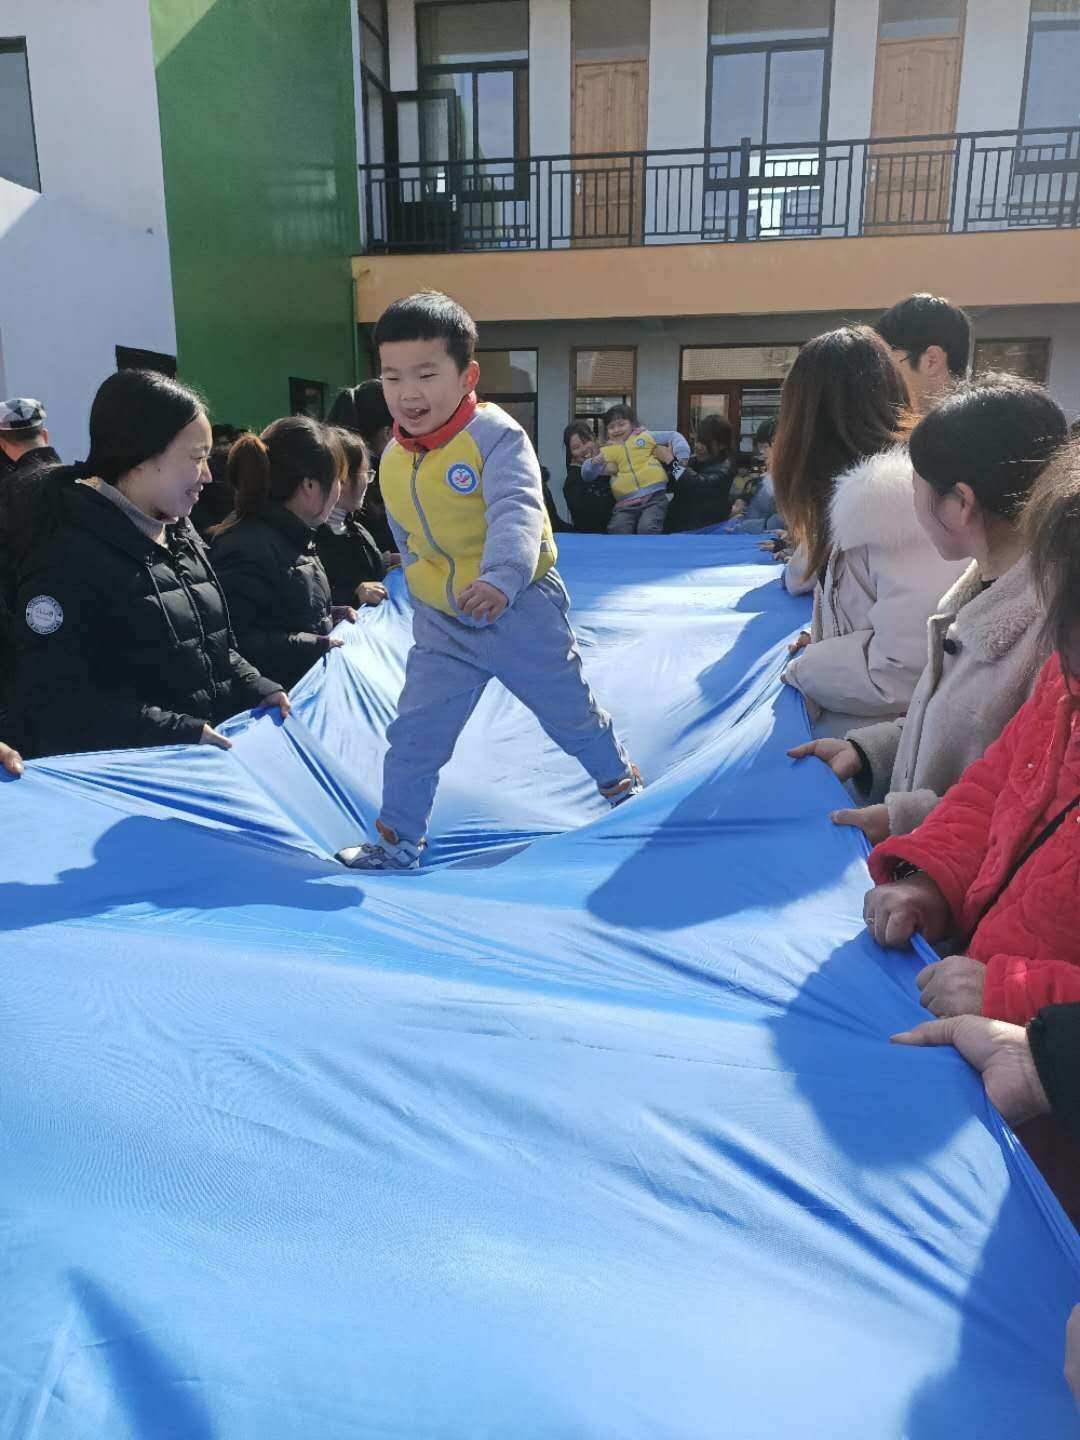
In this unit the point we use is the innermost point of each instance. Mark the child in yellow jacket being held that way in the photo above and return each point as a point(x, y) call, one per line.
point(634, 459)
point(463, 494)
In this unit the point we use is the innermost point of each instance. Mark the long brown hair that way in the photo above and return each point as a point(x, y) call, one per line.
point(843, 400)
point(273, 465)
point(1052, 526)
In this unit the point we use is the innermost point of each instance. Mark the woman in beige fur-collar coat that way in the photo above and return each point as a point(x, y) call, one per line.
point(977, 457)
point(844, 483)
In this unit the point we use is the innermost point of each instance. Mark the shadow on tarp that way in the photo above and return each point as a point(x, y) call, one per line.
point(169, 865)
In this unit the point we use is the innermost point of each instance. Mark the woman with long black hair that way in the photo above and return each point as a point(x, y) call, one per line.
point(121, 629)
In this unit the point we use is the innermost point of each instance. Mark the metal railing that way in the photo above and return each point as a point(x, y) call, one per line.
point(933, 184)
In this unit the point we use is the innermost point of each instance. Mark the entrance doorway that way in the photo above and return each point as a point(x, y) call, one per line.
point(740, 382)
point(916, 88)
point(610, 117)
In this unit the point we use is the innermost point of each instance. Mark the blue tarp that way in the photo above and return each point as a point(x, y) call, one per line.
point(593, 1130)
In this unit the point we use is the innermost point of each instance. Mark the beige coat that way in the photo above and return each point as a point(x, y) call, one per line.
point(967, 695)
point(882, 583)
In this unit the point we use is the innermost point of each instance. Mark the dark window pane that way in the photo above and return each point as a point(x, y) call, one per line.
point(1029, 358)
point(900, 19)
point(739, 22)
point(448, 132)
point(1053, 91)
point(373, 53)
point(596, 38)
point(465, 34)
point(374, 135)
point(507, 372)
point(524, 412)
point(372, 12)
point(738, 98)
point(796, 80)
point(18, 153)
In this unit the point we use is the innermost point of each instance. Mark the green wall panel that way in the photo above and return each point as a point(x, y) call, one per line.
point(259, 145)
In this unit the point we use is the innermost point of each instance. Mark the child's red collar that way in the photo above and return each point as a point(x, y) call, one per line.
point(420, 444)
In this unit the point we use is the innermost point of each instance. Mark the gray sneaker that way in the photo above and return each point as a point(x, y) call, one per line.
point(389, 853)
point(626, 788)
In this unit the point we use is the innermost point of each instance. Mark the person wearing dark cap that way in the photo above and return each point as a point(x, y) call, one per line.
point(24, 440)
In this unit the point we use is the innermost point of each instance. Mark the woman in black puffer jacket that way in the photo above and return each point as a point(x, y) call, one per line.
point(352, 559)
point(287, 481)
point(122, 631)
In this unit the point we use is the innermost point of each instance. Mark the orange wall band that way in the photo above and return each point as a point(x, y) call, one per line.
point(767, 277)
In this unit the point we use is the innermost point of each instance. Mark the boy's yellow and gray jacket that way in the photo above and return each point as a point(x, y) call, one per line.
point(466, 503)
point(639, 470)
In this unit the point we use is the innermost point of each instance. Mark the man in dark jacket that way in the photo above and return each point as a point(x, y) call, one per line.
point(24, 440)
point(123, 637)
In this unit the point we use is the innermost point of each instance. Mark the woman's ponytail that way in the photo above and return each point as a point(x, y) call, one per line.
point(248, 473)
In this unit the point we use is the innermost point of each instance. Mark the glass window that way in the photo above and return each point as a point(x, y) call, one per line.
point(903, 19)
point(473, 34)
point(602, 378)
point(598, 37)
point(738, 362)
point(495, 115)
point(307, 397)
point(508, 377)
point(743, 22)
point(738, 90)
point(508, 372)
point(796, 87)
point(1029, 358)
point(18, 149)
point(373, 53)
point(768, 63)
point(1051, 92)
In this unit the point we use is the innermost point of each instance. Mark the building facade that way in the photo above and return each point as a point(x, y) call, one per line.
point(661, 201)
point(85, 278)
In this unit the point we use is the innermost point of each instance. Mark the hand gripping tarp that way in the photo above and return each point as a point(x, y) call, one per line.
point(592, 1130)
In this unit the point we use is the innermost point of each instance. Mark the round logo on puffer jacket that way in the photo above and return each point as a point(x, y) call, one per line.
point(462, 478)
point(44, 615)
point(640, 442)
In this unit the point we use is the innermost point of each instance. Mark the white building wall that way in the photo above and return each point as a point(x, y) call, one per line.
point(854, 57)
point(84, 265)
point(550, 105)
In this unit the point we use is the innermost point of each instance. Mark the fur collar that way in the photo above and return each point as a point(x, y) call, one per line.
point(995, 619)
point(873, 503)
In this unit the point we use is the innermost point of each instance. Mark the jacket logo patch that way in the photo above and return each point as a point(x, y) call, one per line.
point(640, 443)
point(44, 615)
point(462, 479)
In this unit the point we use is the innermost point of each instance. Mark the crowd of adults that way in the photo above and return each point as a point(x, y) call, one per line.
point(934, 517)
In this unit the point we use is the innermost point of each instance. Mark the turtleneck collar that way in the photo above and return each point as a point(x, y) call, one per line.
point(421, 444)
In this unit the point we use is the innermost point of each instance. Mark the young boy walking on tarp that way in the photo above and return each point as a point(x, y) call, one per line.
point(463, 494)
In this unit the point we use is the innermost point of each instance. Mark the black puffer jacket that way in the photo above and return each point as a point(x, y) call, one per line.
point(279, 594)
point(121, 642)
point(350, 557)
point(702, 496)
point(590, 502)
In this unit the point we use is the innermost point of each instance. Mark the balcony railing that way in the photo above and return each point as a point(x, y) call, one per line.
point(933, 184)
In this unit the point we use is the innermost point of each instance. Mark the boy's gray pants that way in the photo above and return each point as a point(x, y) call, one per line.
point(532, 650)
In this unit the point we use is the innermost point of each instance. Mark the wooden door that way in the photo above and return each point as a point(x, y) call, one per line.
point(915, 93)
point(611, 113)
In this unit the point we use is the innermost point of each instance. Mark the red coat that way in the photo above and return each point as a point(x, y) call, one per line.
point(1029, 939)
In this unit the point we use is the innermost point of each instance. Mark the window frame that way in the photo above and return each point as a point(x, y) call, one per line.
point(428, 78)
point(575, 351)
point(769, 48)
point(509, 397)
point(17, 45)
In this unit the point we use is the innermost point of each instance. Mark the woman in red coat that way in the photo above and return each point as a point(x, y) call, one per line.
point(995, 868)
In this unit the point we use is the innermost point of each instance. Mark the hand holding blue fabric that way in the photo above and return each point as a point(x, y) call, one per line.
point(10, 760)
point(953, 986)
point(872, 820)
point(840, 755)
point(893, 913)
point(999, 1052)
